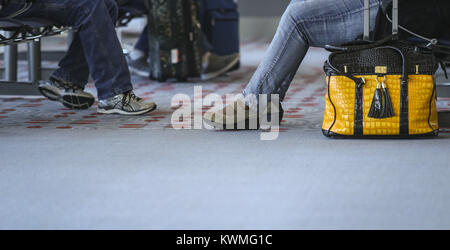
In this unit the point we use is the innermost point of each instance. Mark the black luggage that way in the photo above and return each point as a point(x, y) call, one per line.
point(175, 39)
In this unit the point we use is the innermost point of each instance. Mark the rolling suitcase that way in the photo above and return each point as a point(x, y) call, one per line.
point(380, 89)
point(175, 39)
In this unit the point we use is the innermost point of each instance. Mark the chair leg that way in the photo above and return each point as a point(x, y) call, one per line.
point(10, 59)
point(34, 61)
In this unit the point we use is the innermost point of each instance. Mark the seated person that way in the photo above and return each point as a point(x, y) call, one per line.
point(95, 50)
point(318, 23)
point(213, 64)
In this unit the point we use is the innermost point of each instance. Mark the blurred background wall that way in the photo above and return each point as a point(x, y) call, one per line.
point(260, 18)
point(258, 22)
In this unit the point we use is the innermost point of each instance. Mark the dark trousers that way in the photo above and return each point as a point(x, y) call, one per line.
point(95, 49)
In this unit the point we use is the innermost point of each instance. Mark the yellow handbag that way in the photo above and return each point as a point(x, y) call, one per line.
point(385, 89)
point(380, 89)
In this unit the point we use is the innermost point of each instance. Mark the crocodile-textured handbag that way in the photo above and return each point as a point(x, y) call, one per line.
point(380, 89)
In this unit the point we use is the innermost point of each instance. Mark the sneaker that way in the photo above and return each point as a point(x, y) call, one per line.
point(215, 65)
point(139, 66)
point(69, 94)
point(227, 118)
point(125, 104)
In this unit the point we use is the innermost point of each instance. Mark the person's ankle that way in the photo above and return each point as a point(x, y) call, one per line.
point(249, 101)
point(137, 54)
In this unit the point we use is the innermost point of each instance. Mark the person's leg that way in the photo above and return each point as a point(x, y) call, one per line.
point(137, 59)
point(304, 24)
point(213, 64)
point(67, 83)
point(101, 49)
point(95, 29)
point(73, 67)
point(142, 43)
point(141, 47)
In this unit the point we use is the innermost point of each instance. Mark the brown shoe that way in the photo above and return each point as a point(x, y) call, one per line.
point(238, 116)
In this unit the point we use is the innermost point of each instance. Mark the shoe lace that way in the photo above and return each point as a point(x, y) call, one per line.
point(74, 87)
point(128, 97)
point(69, 86)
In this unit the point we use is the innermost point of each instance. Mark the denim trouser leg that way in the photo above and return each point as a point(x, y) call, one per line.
point(73, 67)
point(103, 50)
point(304, 24)
point(142, 43)
point(97, 38)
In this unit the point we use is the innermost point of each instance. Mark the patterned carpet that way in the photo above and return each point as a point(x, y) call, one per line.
point(303, 104)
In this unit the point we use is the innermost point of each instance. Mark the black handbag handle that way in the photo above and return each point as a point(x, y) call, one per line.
point(353, 46)
point(404, 75)
point(360, 80)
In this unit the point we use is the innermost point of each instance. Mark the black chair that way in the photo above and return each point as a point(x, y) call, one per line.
point(20, 30)
point(31, 30)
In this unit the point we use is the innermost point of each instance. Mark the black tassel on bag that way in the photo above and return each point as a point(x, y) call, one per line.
point(388, 110)
point(377, 103)
point(381, 103)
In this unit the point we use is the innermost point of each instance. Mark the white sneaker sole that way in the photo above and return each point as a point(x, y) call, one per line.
point(73, 101)
point(122, 112)
point(209, 76)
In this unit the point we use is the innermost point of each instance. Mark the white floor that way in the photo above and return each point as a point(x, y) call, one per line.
point(101, 176)
point(210, 180)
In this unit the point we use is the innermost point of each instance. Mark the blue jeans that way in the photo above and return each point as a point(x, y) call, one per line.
point(95, 49)
point(142, 43)
point(306, 23)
